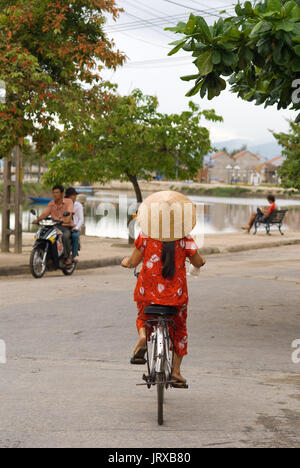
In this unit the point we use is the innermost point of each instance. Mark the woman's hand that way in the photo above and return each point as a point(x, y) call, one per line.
point(125, 263)
point(197, 261)
point(133, 261)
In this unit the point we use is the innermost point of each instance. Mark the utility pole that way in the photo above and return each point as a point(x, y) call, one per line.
point(12, 201)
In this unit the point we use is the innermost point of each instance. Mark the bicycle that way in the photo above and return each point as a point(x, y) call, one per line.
point(160, 358)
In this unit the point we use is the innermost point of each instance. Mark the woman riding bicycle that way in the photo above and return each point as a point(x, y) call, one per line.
point(166, 219)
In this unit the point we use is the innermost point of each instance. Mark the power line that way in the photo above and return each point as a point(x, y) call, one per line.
point(144, 40)
point(170, 61)
point(187, 6)
point(149, 23)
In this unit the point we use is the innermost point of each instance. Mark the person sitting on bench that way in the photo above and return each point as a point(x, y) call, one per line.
point(262, 213)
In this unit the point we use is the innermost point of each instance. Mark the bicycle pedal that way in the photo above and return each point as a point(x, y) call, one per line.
point(146, 378)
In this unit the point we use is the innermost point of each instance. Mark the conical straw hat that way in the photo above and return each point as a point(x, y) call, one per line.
point(167, 216)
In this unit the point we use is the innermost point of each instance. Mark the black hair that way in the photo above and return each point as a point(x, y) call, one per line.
point(271, 198)
point(70, 191)
point(58, 187)
point(168, 259)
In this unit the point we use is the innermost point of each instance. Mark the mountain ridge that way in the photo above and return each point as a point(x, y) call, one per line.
point(266, 150)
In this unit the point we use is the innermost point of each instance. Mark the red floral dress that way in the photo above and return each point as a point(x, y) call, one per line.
point(153, 288)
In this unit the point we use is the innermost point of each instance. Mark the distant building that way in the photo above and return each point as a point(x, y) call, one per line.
point(269, 170)
point(245, 162)
point(244, 167)
point(203, 176)
point(277, 161)
point(219, 163)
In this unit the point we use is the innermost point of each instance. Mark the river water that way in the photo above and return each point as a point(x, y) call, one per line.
point(107, 214)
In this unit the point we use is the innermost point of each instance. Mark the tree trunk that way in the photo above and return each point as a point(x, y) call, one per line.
point(139, 199)
point(138, 193)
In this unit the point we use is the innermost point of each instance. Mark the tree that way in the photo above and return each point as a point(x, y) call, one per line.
point(258, 49)
point(290, 170)
point(184, 142)
point(48, 50)
point(129, 140)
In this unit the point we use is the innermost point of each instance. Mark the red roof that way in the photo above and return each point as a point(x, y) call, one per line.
point(274, 159)
point(217, 154)
point(238, 155)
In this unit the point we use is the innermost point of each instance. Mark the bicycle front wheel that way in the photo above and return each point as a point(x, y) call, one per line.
point(160, 383)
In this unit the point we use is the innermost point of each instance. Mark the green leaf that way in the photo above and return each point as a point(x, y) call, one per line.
point(190, 25)
point(177, 48)
point(296, 65)
point(239, 10)
point(216, 57)
point(194, 90)
point(297, 50)
point(203, 29)
point(296, 29)
point(204, 63)
point(189, 77)
point(248, 54)
point(288, 7)
point(296, 13)
point(229, 59)
point(277, 54)
point(218, 27)
point(260, 28)
point(180, 28)
point(274, 5)
point(248, 8)
point(285, 25)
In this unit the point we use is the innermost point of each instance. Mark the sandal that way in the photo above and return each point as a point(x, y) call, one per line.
point(175, 383)
point(139, 357)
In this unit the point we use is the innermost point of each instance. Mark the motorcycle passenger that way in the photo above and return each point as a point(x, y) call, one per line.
point(55, 209)
point(78, 219)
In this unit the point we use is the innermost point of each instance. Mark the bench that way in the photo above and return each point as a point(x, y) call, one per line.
point(275, 218)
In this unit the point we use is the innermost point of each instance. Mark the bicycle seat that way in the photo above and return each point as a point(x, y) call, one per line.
point(161, 310)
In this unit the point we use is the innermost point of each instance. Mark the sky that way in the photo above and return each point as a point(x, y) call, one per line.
point(139, 33)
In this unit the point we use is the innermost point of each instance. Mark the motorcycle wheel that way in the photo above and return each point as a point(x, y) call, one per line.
point(70, 270)
point(37, 267)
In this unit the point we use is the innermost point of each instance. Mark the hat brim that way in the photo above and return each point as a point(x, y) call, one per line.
point(167, 216)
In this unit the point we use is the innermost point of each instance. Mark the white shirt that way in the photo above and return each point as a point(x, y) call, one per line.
point(78, 215)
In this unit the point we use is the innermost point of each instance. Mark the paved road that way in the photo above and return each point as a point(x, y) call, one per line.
point(67, 381)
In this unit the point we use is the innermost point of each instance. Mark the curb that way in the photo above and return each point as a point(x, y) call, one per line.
point(113, 261)
point(246, 247)
point(84, 265)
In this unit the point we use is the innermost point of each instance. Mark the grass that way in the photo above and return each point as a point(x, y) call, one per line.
point(216, 191)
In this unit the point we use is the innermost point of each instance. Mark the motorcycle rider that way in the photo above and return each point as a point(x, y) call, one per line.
point(78, 219)
point(56, 209)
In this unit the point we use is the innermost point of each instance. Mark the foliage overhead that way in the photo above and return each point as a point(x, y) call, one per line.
point(48, 50)
point(126, 138)
point(290, 170)
point(258, 48)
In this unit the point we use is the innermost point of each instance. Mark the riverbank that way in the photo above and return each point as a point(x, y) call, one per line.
point(30, 189)
point(213, 190)
point(98, 252)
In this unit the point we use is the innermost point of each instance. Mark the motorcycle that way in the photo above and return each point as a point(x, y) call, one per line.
point(48, 249)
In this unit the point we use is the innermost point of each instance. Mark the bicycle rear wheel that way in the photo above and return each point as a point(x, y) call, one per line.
point(160, 383)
